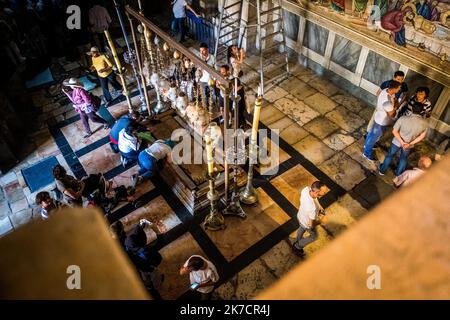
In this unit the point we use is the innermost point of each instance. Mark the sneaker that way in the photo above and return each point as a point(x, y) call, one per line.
point(298, 252)
point(380, 172)
point(370, 159)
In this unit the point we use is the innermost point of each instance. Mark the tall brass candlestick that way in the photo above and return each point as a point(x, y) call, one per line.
point(234, 207)
point(125, 92)
point(141, 71)
point(214, 220)
point(249, 195)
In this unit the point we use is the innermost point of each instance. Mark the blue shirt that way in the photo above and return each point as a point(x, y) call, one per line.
point(179, 10)
point(120, 124)
point(404, 88)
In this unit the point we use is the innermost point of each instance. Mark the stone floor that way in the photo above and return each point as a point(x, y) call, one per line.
point(321, 131)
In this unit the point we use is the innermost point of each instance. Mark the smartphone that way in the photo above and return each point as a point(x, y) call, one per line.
point(194, 286)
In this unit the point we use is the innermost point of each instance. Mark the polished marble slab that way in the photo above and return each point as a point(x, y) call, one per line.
point(156, 211)
point(174, 256)
point(345, 119)
point(320, 103)
point(239, 234)
point(99, 160)
point(321, 127)
point(345, 171)
point(314, 150)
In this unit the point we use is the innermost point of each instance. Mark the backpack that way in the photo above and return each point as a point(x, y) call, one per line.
point(96, 101)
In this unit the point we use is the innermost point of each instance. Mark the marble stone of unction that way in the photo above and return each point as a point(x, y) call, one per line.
point(320, 102)
point(296, 109)
point(291, 182)
point(345, 119)
point(101, 159)
point(174, 256)
point(156, 211)
point(314, 150)
point(239, 235)
point(345, 171)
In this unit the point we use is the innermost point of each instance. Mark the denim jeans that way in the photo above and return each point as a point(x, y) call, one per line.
point(178, 25)
point(148, 165)
point(404, 153)
point(111, 78)
point(301, 242)
point(372, 138)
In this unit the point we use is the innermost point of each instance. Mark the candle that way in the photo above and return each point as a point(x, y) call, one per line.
point(259, 91)
point(235, 87)
point(113, 50)
point(256, 114)
point(209, 154)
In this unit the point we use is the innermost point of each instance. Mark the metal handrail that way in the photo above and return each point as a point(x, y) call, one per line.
point(177, 46)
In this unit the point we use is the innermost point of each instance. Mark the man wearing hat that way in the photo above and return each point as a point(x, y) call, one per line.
point(103, 66)
point(148, 159)
point(83, 104)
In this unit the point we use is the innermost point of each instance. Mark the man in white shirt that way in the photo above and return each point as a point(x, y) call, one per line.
point(307, 216)
point(409, 176)
point(179, 12)
point(204, 79)
point(129, 144)
point(202, 274)
point(387, 106)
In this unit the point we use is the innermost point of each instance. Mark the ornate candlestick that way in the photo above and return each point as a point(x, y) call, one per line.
point(249, 195)
point(119, 15)
point(214, 220)
point(125, 91)
point(234, 207)
point(141, 71)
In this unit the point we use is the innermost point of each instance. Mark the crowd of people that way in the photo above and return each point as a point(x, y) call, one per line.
point(406, 115)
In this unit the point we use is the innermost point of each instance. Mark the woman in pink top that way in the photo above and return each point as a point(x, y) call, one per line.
point(83, 104)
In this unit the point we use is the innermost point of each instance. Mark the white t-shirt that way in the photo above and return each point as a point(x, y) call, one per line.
point(158, 150)
point(309, 208)
point(127, 143)
point(236, 66)
point(385, 104)
point(202, 276)
point(178, 9)
point(205, 75)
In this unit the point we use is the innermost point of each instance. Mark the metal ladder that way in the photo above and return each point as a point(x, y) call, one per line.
point(230, 28)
